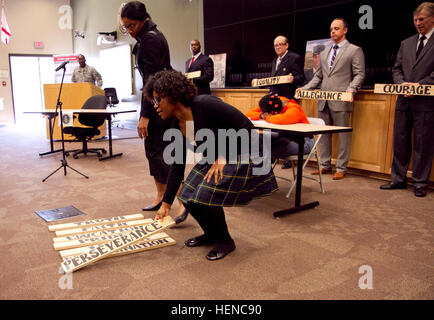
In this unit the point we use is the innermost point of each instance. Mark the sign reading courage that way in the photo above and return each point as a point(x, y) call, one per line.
point(405, 89)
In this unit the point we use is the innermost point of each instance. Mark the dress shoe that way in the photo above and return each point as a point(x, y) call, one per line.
point(198, 241)
point(393, 185)
point(420, 191)
point(181, 217)
point(339, 175)
point(153, 207)
point(221, 250)
point(286, 164)
point(323, 171)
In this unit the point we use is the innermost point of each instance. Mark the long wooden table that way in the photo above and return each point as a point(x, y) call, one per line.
point(298, 132)
point(51, 113)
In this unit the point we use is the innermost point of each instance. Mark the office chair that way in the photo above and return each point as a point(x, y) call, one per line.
point(112, 97)
point(93, 121)
point(306, 157)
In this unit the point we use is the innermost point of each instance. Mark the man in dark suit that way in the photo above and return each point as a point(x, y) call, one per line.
point(202, 63)
point(286, 63)
point(414, 65)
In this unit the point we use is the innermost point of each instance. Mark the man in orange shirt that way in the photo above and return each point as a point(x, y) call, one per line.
point(280, 110)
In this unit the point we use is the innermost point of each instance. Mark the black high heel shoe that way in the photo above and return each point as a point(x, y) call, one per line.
point(181, 217)
point(153, 208)
point(221, 250)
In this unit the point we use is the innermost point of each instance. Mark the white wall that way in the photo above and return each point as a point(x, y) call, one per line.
point(179, 20)
point(31, 20)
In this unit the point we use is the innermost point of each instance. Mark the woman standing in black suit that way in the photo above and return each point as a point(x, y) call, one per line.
point(152, 55)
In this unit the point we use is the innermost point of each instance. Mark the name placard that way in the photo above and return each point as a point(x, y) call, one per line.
point(102, 227)
point(194, 74)
point(414, 90)
point(95, 222)
point(270, 81)
point(71, 264)
point(324, 95)
point(80, 250)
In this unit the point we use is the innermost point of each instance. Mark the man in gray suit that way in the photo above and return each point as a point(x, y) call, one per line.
point(414, 65)
point(341, 68)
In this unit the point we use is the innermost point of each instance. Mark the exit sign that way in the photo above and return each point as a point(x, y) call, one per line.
point(38, 45)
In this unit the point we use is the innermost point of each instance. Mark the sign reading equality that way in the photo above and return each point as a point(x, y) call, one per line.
point(95, 222)
point(414, 90)
point(71, 264)
point(270, 81)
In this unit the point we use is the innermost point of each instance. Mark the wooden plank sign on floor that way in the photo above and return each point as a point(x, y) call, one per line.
point(323, 95)
point(89, 241)
point(68, 232)
point(406, 89)
point(97, 234)
point(63, 226)
point(81, 250)
point(71, 264)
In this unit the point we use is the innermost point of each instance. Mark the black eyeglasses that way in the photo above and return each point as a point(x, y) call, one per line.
point(156, 101)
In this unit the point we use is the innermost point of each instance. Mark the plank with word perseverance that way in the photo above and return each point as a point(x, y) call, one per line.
point(80, 250)
point(270, 81)
point(88, 241)
point(97, 234)
point(406, 89)
point(192, 75)
point(63, 226)
point(324, 95)
point(110, 226)
point(71, 264)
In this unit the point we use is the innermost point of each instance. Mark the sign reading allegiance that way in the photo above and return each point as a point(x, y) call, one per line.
point(270, 81)
point(324, 95)
point(414, 90)
point(71, 264)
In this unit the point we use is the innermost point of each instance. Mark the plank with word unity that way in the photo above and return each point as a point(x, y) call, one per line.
point(110, 226)
point(63, 226)
point(74, 263)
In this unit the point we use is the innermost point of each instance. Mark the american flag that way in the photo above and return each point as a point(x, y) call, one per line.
point(5, 31)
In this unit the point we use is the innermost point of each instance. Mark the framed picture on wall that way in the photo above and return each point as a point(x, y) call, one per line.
point(311, 59)
point(219, 70)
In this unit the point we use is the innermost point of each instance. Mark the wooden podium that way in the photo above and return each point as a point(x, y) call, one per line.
point(73, 96)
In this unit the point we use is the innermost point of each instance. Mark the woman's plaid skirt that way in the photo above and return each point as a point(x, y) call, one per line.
point(237, 187)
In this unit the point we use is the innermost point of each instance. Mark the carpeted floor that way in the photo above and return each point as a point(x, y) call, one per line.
point(358, 237)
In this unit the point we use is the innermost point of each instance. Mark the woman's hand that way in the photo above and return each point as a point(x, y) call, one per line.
point(142, 127)
point(163, 211)
point(216, 171)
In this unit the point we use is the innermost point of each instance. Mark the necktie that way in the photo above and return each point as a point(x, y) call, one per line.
point(191, 62)
point(335, 48)
point(278, 62)
point(419, 49)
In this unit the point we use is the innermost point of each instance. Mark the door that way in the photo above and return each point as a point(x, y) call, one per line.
point(28, 75)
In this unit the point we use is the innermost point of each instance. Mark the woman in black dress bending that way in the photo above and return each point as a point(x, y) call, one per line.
point(221, 180)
